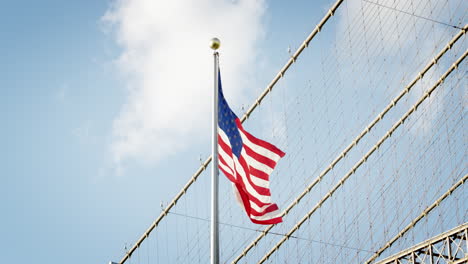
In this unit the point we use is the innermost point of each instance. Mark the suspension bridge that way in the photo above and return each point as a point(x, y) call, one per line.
point(370, 110)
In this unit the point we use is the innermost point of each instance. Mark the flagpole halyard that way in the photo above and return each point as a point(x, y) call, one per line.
point(214, 238)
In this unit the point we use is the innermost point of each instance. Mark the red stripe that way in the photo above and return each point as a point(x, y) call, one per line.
point(249, 210)
point(228, 175)
point(251, 197)
point(258, 141)
point(268, 222)
point(269, 209)
point(222, 161)
point(260, 158)
point(260, 190)
point(224, 146)
point(228, 151)
point(244, 198)
point(259, 174)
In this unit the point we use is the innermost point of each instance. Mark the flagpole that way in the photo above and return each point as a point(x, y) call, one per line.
point(214, 239)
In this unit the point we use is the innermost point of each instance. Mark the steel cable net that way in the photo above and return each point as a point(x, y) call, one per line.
point(364, 56)
point(357, 64)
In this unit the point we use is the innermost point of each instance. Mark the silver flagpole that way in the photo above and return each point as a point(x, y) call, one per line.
point(214, 241)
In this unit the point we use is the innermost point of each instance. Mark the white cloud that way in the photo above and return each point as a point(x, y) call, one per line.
point(169, 68)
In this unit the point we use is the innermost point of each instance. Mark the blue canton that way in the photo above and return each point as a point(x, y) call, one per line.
point(227, 122)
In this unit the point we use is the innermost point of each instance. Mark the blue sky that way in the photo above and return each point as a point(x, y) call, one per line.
point(56, 80)
point(92, 139)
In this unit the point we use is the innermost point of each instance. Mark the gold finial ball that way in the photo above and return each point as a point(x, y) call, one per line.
point(215, 43)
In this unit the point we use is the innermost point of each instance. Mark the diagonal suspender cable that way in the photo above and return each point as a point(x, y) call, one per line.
point(257, 102)
point(359, 137)
point(417, 219)
point(166, 210)
point(296, 54)
point(366, 156)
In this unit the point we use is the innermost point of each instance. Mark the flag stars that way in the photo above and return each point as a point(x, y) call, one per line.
point(227, 123)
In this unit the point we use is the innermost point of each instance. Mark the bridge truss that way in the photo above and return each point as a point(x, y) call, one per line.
point(449, 247)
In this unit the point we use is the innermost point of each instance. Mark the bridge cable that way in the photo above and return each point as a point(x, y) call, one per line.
point(412, 14)
point(274, 233)
point(417, 219)
point(379, 117)
point(367, 155)
point(257, 102)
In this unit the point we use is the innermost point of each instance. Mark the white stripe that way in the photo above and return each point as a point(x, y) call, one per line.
point(224, 136)
point(260, 182)
point(222, 153)
point(255, 180)
point(234, 164)
point(238, 197)
point(259, 149)
point(257, 208)
point(227, 169)
point(227, 159)
point(240, 171)
point(258, 165)
point(270, 215)
point(250, 161)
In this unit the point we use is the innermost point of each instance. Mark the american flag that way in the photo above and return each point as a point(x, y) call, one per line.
point(247, 162)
